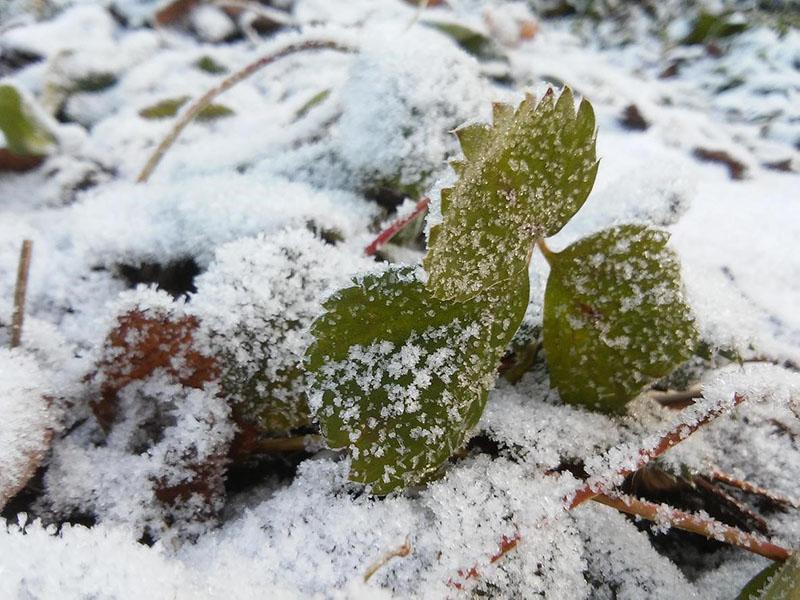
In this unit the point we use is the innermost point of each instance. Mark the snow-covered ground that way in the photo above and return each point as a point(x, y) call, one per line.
point(297, 175)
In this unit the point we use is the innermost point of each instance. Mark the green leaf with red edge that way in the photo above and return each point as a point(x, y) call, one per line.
point(399, 377)
point(614, 317)
point(523, 178)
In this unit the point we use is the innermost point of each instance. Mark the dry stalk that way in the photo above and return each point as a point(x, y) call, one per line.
point(20, 292)
point(400, 552)
point(753, 489)
point(705, 526)
point(300, 443)
point(668, 440)
point(188, 115)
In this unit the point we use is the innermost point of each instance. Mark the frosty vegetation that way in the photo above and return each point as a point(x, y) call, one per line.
point(591, 310)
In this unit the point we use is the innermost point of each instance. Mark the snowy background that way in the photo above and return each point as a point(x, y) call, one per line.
point(311, 157)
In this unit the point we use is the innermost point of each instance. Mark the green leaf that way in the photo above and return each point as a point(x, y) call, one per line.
point(473, 42)
point(708, 27)
point(399, 377)
point(778, 581)
point(164, 108)
point(170, 107)
point(25, 136)
point(209, 65)
point(523, 178)
point(212, 112)
point(315, 100)
point(94, 82)
point(614, 317)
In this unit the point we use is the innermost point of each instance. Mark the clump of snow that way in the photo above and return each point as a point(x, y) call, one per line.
point(28, 419)
point(168, 221)
point(159, 470)
point(255, 305)
point(395, 118)
point(153, 456)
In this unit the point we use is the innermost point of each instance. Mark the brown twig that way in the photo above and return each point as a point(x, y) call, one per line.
point(198, 105)
point(758, 523)
point(507, 544)
point(753, 489)
point(20, 292)
point(705, 526)
point(273, 15)
point(291, 444)
point(545, 250)
point(667, 441)
point(397, 226)
point(400, 552)
point(677, 399)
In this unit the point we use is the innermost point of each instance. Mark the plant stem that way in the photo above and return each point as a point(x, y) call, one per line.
point(300, 443)
point(267, 13)
point(198, 105)
point(20, 292)
point(756, 522)
point(677, 399)
point(753, 489)
point(395, 228)
point(705, 526)
point(546, 252)
point(402, 551)
point(677, 434)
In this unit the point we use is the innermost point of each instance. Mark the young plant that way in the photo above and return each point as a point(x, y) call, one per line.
point(402, 362)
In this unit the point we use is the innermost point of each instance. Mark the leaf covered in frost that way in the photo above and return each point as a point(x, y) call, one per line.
point(614, 316)
point(778, 581)
point(523, 178)
point(24, 134)
point(143, 341)
point(400, 377)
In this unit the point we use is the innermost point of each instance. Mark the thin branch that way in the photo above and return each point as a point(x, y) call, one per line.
point(20, 292)
point(397, 226)
point(545, 250)
point(675, 435)
point(273, 15)
point(400, 552)
point(198, 105)
point(758, 523)
point(753, 489)
point(292, 444)
point(507, 544)
point(705, 526)
point(677, 399)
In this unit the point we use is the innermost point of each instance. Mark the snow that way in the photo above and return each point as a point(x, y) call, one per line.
point(27, 422)
point(272, 207)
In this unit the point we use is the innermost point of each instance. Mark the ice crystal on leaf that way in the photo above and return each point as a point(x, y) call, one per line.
point(401, 377)
point(776, 582)
point(255, 305)
point(523, 178)
point(614, 317)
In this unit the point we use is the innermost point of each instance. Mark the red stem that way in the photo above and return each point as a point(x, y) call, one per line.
point(388, 233)
point(667, 441)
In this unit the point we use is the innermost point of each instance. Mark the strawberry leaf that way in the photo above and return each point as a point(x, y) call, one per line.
point(614, 317)
point(776, 582)
point(400, 377)
point(523, 178)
